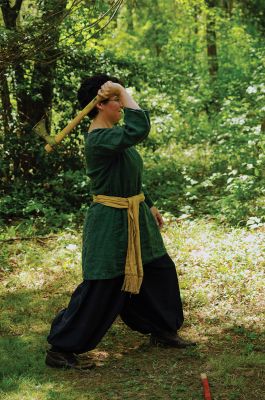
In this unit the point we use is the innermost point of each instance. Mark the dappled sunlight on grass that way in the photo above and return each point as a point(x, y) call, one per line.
point(222, 281)
point(221, 271)
point(34, 264)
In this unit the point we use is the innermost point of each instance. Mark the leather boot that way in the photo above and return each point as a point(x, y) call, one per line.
point(167, 339)
point(67, 360)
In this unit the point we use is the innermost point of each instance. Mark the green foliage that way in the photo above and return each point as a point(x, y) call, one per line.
point(48, 204)
point(205, 153)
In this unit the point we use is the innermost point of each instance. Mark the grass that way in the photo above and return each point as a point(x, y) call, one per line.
point(221, 272)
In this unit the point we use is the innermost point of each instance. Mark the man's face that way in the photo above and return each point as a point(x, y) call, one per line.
point(112, 109)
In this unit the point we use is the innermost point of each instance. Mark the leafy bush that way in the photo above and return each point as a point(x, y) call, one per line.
point(58, 202)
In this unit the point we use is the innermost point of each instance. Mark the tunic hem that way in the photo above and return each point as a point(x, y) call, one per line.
point(109, 275)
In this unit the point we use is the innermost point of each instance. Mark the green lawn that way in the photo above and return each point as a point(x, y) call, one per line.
point(221, 272)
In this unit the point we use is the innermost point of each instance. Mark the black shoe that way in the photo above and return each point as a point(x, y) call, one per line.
point(166, 339)
point(67, 360)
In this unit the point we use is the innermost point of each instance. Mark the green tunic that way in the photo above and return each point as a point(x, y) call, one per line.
point(115, 169)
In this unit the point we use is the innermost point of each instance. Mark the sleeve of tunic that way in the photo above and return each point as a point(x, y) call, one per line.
point(135, 129)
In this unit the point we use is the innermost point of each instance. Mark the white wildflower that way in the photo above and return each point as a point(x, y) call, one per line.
point(238, 120)
point(250, 166)
point(251, 89)
point(192, 99)
point(244, 177)
point(71, 247)
point(256, 129)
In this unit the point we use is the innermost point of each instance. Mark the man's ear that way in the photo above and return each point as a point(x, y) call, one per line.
point(99, 106)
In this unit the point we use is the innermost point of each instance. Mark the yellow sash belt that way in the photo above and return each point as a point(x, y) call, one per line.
point(133, 267)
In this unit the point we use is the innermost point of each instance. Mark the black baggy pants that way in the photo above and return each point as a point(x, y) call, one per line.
point(95, 304)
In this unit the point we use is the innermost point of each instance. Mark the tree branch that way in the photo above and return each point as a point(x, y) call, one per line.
point(39, 238)
point(31, 47)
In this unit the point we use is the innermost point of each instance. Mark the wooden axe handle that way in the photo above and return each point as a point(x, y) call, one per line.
point(72, 124)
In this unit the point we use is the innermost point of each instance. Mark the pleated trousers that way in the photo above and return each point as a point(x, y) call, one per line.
point(95, 304)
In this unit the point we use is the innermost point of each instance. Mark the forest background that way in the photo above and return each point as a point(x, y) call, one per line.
point(199, 67)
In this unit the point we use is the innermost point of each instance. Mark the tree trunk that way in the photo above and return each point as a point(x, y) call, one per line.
point(228, 6)
point(129, 17)
point(213, 104)
point(39, 103)
point(34, 99)
point(196, 10)
point(8, 124)
point(10, 15)
point(211, 40)
point(195, 38)
point(157, 31)
point(6, 104)
point(263, 126)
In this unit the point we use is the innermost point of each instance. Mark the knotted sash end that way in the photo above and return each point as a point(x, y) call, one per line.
point(133, 266)
point(132, 284)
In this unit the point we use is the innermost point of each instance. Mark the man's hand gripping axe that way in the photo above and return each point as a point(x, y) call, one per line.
point(52, 141)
